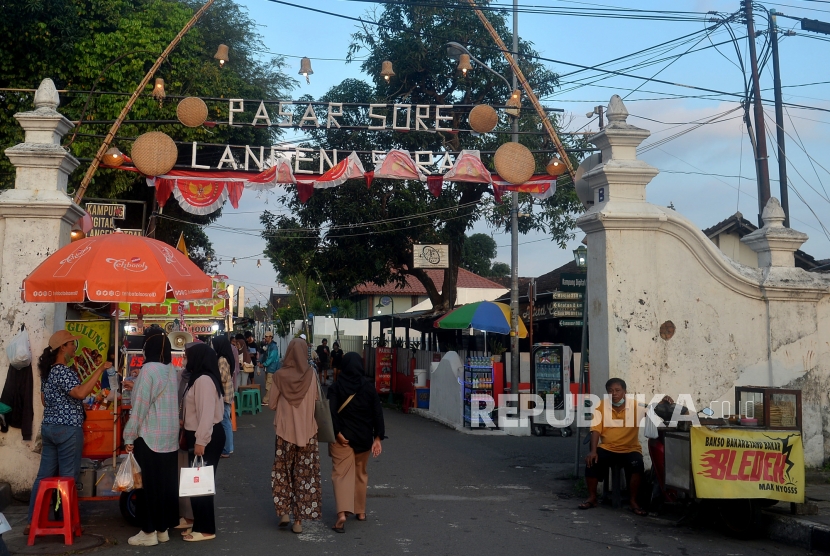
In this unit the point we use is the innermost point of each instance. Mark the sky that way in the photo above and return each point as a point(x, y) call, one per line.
point(707, 173)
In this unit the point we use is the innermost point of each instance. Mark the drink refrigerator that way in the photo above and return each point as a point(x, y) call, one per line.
point(550, 368)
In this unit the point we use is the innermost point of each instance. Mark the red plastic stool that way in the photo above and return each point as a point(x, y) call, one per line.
point(41, 526)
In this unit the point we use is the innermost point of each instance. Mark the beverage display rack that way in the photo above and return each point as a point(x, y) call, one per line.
point(478, 386)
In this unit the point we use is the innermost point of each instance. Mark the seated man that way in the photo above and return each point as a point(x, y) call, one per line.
point(620, 444)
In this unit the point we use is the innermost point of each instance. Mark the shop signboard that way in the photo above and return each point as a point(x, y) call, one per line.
point(169, 325)
point(729, 463)
point(430, 256)
point(200, 310)
point(572, 282)
point(384, 363)
point(135, 360)
point(552, 310)
point(93, 347)
point(566, 295)
point(570, 322)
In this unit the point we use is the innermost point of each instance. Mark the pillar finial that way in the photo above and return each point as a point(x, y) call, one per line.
point(47, 96)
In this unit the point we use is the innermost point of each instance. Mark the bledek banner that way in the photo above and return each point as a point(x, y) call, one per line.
point(729, 463)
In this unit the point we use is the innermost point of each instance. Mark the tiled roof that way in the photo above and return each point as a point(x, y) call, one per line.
point(545, 283)
point(466, 279)
point(741, 226)
point(507, 282)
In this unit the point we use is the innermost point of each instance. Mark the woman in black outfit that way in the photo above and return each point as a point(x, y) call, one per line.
point(358, 424)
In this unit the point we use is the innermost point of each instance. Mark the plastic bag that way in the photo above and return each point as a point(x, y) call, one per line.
point(128, 476)
point(19, 351)
point(650, 426)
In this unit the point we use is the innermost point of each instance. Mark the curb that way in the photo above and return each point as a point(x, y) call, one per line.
point(433, 417)
point(798, 531)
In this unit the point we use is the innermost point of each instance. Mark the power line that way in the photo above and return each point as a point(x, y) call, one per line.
point(536, 57)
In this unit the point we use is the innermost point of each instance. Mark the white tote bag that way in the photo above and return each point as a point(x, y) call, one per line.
point(197, 480)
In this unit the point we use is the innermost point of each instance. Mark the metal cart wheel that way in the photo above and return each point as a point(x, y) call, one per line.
point(127, 503)
point(566, 432)
point(539, 430)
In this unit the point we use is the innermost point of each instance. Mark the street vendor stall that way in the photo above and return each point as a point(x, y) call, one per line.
point(114, 268)
point(742, 463)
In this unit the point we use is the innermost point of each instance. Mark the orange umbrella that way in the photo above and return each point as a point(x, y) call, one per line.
point(116, 267)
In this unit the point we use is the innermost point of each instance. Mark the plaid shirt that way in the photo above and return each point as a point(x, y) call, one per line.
point(155, 412)
point(227, 379)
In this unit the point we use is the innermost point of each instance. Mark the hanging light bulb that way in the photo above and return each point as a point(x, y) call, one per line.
point(114, 157)
point(77, 235)
point(555, 167)
point(515, 103)
point(464, 64)
point(305, 69)
point(386, 70)
point(233, 261)
point(158, 90)
point(258, 263)
point(221, 55)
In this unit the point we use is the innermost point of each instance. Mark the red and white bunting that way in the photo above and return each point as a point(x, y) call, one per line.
point(468, 167)
point(346, 169)
point(398, 165)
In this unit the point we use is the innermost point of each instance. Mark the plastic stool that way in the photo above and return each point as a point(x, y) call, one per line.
point(236, 402)
point(251, 402)
point(71, 523)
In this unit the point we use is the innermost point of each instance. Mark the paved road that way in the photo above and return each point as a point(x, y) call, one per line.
point(432, 491)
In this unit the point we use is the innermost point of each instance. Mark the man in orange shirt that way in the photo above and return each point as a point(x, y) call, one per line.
point(618, 430)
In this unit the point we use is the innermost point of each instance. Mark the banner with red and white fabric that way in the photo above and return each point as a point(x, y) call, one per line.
point(398, 165)
point(539, 186)
point(346, 169)
point(202, 196)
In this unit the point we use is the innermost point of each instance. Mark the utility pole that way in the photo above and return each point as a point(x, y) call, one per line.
point(762, 162)
point(779, 119)
point(515, 357)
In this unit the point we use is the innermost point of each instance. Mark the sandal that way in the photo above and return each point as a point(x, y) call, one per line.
point(359, 519)
point(587, 506)
point(187, 531)
point(339, 529)
point(183, 524)
point(639, 511)
point(196, 537)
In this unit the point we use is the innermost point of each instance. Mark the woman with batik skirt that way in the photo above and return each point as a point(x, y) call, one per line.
point(295, 477)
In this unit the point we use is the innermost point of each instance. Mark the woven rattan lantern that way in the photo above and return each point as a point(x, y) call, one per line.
point(483, 118)
point(221, 55)
point(555, 167)
point(305, 69)
point(514, 163)
point(464, 64)
point(154, 153)
point(114, 157)
point(515, 103)
point(192, 111)
point(158, 90)
point(386, 70)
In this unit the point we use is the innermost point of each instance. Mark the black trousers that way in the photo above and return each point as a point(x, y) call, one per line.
point(204, 518)
point(157, 504)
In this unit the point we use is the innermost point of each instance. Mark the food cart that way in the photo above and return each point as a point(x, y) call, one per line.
point(114, 268)
point(743, 463)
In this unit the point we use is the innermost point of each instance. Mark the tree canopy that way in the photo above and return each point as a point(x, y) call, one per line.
point(477, 256)
point(352, 234)
point(74, 41)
